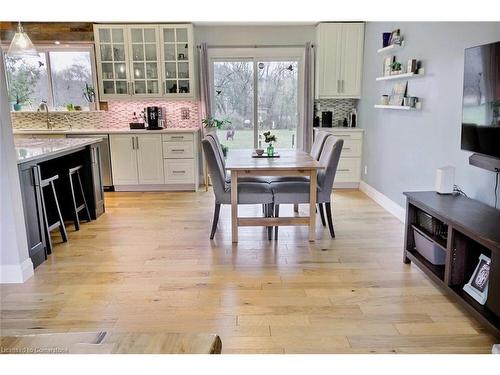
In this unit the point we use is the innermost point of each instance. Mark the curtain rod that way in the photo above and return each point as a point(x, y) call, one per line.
point(257, 46)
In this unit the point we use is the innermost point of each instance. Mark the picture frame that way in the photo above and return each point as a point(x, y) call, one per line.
point(395, 37)
point(398, 93)
point(477, 287)
point(388, 65)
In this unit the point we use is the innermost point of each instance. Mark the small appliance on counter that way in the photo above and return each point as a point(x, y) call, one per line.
point(154, 117)
point(326, 119)
point(137, 122)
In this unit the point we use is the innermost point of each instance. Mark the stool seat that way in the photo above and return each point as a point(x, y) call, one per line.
point(59, 222)
point(77, 208)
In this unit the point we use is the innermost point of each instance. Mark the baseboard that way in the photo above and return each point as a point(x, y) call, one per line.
point(169, 187)
point(386, 203)
point(346, 185)
point(15, 274)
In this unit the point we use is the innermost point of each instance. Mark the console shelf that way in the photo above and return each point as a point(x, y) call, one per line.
point(472, 230)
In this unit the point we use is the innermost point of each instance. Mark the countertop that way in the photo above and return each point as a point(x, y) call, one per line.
point(341, 128)
point(29, 149)
point(104, 131)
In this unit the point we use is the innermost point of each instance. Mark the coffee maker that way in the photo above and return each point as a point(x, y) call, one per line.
point(154, 117)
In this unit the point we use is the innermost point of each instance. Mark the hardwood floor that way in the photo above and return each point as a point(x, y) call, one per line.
point(147, 265)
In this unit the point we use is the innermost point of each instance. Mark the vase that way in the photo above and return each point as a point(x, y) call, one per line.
point(17, 107)
point(270, 150)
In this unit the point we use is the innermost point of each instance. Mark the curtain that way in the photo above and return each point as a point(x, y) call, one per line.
point(205, 97)
point(307, 123)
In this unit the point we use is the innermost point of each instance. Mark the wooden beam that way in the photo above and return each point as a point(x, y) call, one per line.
point(49, 32)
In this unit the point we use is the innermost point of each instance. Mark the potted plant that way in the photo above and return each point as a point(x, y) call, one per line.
point(396, 67)
point(89, 95)
point(211, 123)
point(270, 139)
point(17, 104)
point(225, 149)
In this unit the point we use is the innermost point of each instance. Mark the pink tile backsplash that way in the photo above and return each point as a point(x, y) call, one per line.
point(118, 116)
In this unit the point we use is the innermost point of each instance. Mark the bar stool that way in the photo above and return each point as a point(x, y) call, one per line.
point(76, 208)
point(59, 223)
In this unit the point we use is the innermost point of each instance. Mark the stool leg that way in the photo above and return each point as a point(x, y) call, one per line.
point(83, 196)
point(75, 208)
point(48, 245)
point(62, 228)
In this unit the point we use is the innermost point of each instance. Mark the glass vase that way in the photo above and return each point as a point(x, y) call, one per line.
point(270, 150)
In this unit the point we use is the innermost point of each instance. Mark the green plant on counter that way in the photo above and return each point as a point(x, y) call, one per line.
point(69, 107)
point(212, 122)
point(269, 138)
point(89, 93)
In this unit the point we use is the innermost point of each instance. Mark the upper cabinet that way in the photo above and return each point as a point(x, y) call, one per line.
point(147, 61)
point(339, 60)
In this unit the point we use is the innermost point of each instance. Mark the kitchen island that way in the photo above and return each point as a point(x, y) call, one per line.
point(39, 159)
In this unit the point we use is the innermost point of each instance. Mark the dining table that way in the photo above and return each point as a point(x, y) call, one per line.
point(285, 162)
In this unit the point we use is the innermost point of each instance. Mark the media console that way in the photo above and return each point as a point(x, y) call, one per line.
point(465, 229)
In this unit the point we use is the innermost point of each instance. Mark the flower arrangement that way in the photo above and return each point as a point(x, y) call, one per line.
point(270, 139)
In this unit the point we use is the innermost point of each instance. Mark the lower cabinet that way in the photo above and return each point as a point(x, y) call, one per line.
point(142, 162)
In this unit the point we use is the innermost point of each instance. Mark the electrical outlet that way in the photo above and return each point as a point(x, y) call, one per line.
point(366, 169)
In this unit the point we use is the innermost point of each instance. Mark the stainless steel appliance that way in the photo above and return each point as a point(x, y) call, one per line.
point(107, 177)
point(154, 117)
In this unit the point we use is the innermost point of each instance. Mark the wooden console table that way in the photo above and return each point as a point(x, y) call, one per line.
point(473, 228)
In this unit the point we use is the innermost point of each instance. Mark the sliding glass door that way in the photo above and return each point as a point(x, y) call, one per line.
point(256, 94)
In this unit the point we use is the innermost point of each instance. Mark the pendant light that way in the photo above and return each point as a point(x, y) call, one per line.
point(21, 44)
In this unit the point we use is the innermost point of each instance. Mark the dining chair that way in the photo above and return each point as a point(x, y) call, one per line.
point(248, 192)
point(294, 192)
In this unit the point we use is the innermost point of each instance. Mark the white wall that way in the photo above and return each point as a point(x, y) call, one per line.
point(15, 264)
point(403, 149)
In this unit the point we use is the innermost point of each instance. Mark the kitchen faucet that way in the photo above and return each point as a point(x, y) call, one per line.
point(44, 107)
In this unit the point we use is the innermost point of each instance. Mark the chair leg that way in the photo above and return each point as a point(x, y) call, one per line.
point(269, 213)
point(295, 207)
point(276, 214)
point(75, 207)
point(321, 214)
point(83, 196)
point(215, 220)
point(48, 245)
point(328, 208)
point(62, 228)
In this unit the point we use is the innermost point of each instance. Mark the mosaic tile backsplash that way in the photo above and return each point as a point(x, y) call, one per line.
point(180, 114)
point(340, 107)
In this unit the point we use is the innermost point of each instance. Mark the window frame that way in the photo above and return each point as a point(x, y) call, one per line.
point(66, 47)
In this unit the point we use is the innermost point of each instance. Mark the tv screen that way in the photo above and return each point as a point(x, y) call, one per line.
point(481, 100)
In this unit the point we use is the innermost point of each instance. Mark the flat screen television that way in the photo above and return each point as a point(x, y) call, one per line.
point(481, 100)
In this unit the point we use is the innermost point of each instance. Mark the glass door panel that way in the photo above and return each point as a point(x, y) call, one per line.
point(233, 99)
point(144, 60)
point(277, 98)
point(175, 44)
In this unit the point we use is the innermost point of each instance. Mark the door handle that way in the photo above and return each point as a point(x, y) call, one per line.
point(133, 143)
point(338, 85)
point(137, 142)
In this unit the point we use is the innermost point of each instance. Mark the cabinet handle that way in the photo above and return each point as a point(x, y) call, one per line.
point(343, 170)
point(177, 150)
point(177, 137)
point(346, 148)
point(178, 171)
point(133, 143)
point(137, 142)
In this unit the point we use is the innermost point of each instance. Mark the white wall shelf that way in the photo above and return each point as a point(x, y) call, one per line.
point(400, 107)
point(399, 76)
point(391, 48)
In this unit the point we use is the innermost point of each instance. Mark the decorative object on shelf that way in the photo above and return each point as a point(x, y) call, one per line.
point(384, 100)
point(396, 67)
point(477, 287)
point(270, 139)
point(386, 37)
point(398, 93)
point(17, 104)
point(212, 122)
point(388, 61)
point(411, 66)
point(69, 107)
point(395, 38)
point(352, 118)
point(78, 107)
point(259, 151)
point(89, 95)
point(344, 123)
point(21, 44)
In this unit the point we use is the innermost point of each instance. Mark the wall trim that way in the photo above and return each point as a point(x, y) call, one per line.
point(16, 273)
point(386, 203)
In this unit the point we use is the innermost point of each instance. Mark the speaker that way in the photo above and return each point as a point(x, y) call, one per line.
point(445, 180)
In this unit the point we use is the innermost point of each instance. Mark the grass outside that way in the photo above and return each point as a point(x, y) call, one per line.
point(244, 138)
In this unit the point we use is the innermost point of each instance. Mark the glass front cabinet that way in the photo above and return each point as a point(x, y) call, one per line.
point(148, 61)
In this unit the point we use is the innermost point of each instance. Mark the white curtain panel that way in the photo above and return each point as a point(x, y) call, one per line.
point(307, 120)
point(205, 97)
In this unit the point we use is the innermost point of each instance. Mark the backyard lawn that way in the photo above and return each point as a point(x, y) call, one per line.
point(244, 138)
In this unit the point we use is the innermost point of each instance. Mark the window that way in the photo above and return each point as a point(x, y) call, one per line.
point(58, 77)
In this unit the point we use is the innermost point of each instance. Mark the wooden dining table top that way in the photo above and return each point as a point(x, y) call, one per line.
point(288, 159)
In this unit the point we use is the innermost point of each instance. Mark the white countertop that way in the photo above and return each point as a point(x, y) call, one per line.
point(341, 128)
point(29, 149)
point(104, 131)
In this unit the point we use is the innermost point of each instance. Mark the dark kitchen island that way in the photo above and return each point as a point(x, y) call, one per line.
point(41, 158)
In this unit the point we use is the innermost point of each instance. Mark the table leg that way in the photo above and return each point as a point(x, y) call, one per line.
point(312, 206)
point(234, 206)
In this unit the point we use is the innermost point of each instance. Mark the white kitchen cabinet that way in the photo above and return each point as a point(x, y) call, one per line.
point(136, 159)
point(123, 159)
point(145, 61)
point(181, 156)
point(339, 60)
point(349, 168)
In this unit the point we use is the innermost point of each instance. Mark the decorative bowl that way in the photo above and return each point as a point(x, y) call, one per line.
point(259, 151)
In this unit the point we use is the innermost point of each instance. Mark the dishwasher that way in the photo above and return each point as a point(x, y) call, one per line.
point(107, 178)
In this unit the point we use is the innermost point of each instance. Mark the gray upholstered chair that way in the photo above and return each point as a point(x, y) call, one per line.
point(298, 191)
point(319, 142)
point(248, 192)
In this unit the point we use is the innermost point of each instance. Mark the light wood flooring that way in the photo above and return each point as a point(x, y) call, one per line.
point(147, 265)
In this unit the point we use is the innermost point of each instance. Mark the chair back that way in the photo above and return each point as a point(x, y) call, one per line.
point(318, 144)
point(215, 167)
point(214, 136)
point(329, 159)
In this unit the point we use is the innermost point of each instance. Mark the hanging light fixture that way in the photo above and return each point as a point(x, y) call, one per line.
point(21, 44)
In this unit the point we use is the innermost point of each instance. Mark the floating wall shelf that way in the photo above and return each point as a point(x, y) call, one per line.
point(400, 76)
point(391, 48)
point(400, 107)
